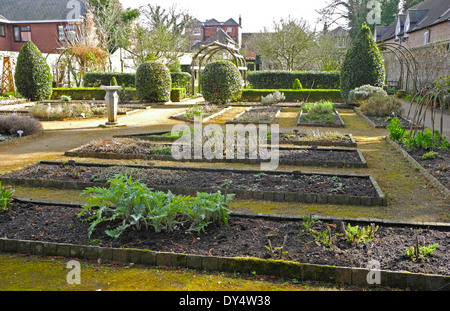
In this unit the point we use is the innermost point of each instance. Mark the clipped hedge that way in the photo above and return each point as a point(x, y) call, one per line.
point(274, 79)
point(82, 93)
point(307, 95)
point(181, 80)
point(153, 82)
point(97, 79)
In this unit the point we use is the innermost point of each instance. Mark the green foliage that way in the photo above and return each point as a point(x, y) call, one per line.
point(181, 80)
point(279, 79)
point(420, 252)
point(427, 140)
point(5, 197)
point(297, 85)
point(320, 107)
point(133, 205)
point(358, 235)
point(66, 98)
point(114, 81)
point(33, 76)
point(81, 93)
point(177, 94)
point(430, 155)
point(381, 105)
point(304, 95)
point(97, 79)
point(396, 131)
point(221, 82)
point(363, 64)
point(153, 82)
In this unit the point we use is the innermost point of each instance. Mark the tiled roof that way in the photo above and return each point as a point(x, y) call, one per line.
point(38, 10)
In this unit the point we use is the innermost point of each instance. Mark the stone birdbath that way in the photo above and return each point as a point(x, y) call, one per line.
point(112, 100)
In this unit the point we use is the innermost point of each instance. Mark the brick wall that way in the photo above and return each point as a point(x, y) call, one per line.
point(433, 60)
point(436, 33)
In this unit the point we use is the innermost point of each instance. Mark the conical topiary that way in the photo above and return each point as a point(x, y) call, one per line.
point(363, 64)
point(297, 85)
point(33, 76)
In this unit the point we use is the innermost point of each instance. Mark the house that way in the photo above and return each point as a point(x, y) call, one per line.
point(201, 32)
point(48, 23)
point(426, 22)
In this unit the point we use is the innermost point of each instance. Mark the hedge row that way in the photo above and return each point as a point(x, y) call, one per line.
point(97, 79)
point(126, 94)
point(285, 79)
point(307, 95)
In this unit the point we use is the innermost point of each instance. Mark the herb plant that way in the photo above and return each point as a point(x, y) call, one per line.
point(419, 252)
point(358, 235)
point(5, 197)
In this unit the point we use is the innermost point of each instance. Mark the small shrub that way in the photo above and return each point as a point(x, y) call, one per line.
point(381, 106)
point(221, 82)
point(396, 131)
point(297, 85)
point(33, 76)
point(153, 82)
point(113, 81)
point(418, 252)
point(66, 98)
point(274, 98)
point(320, 107)
point(60, 112)
point(9, 125)
point(358, 235)
point(359, 94)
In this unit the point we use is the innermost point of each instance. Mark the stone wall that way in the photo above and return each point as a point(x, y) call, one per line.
point(433, 60)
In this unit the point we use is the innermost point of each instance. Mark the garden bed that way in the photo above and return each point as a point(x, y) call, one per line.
point(208, 112)
point(281, 186)
point(296, 137)
point(128, 148)
point(244, 236)
point(382, 122)
point(436, 169)
point(256, 115)
point(329, 120)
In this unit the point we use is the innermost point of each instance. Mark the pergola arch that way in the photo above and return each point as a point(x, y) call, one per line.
point(406, 59)
point(205, 54)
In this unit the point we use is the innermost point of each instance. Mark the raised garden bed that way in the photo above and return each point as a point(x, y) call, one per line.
point(296, 137)
point(331, 120)
point(281, 186)
point(241, 246)
point(208, 112)
point(381, 122)
point(256, 115)
point(128, 148)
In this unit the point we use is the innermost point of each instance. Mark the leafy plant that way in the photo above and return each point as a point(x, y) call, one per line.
point(430, 155)
point(273, 98)
point(297, 85)
point(417, 252)
point(277, 252)
point(133, 204)
point(6, 195)
point(66, 98)
point(153, 82)
point(358, 235)
point(396, 131)
point(324, 238)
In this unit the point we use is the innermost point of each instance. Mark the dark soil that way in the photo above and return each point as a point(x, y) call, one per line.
point(258, 115)
point(329, 120)
point(439, 167)
point(142, 147)
point(243, 236)
point(305, 183)
point(384, 121)
point(298, 136)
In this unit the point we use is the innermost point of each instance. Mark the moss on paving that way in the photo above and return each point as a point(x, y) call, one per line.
point(29, 273)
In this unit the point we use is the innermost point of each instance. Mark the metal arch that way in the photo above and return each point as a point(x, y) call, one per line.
point(205, 54)
point(411, 63)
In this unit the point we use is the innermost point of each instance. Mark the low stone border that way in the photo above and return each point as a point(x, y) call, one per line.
point(303, 272)
point(340, 123)
point(275, 196)
point(294, 162)
point(433, 180)
point(235, 119)
point(179, 117)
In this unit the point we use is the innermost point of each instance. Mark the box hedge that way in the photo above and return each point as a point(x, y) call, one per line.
point(274, 79)
point(177, 94)
point(306, 95)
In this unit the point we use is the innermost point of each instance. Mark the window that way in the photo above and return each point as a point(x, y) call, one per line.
point(197, 31)
point(229, 30)
point(22, 33)
point(425, 37)
point(2, 31)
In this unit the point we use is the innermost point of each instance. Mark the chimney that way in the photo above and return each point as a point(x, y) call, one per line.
point(240, 20)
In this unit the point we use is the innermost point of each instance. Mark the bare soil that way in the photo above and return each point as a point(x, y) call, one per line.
point(243, 236)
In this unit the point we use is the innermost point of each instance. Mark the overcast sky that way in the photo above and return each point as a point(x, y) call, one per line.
point(256, 14)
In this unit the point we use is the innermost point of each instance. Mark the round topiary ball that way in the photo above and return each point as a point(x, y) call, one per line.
point(153, 82)
point(221, 82)
point(33, 76)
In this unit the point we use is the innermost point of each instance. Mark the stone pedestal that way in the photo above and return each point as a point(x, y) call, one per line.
point(112, 101)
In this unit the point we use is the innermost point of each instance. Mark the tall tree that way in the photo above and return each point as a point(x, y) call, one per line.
point(288, 46)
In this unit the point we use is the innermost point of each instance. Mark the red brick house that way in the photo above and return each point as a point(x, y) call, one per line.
point(426, 22)
point(202, 31)
point(47, 23)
